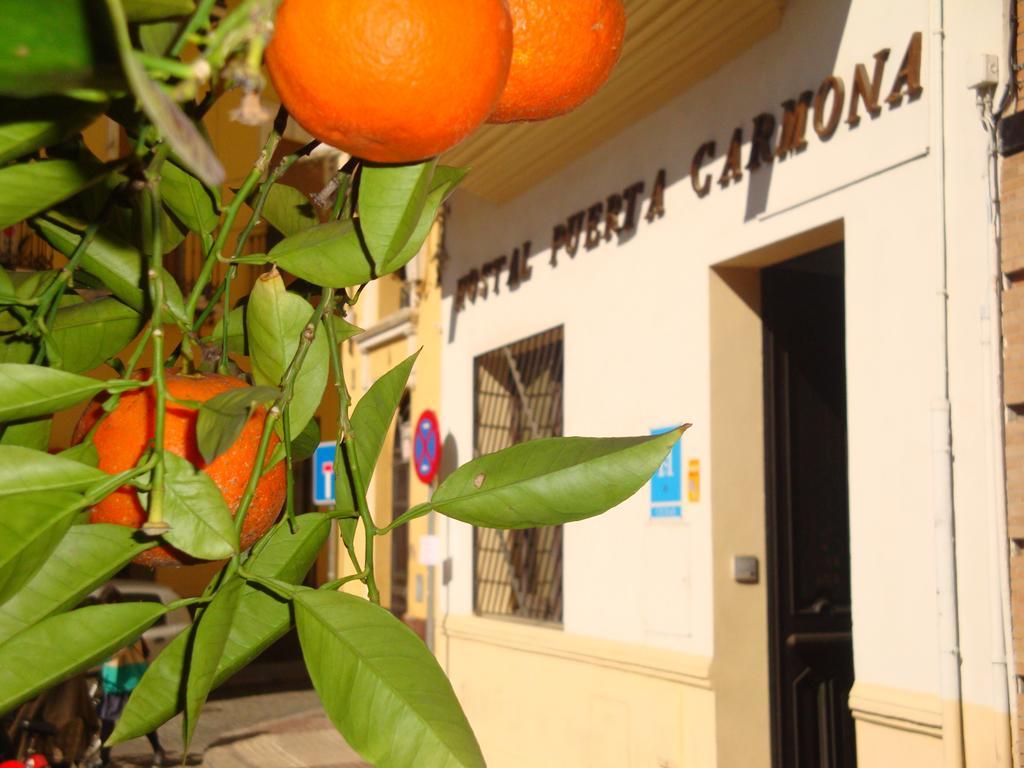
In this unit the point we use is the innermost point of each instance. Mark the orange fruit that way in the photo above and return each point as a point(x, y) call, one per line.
point(127, 431)
point(390, 82)
point(562, 52)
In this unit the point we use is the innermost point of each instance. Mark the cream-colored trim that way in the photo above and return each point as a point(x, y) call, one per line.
point(397, 325)
point(668, 665)
point(894, 708)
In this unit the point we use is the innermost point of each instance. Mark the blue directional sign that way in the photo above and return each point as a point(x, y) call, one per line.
point(323, 475)
point(667, 483)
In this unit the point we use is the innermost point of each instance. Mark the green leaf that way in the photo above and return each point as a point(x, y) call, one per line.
point(28, 285)
point(157, 38)
point(177, 129)
point(33, 434)
point(331, 254)
point(89, 333)
point(223, 417)
point(6, 284)
point(150, 10)
point(16, 348)
point(288, 211)
point(174, 125)
point(370, 421)
point(116, 264)
point(444, 182)
point(87, 557)
point(236, 331)
point(28, 188)
point(201, 523)
point(133, 224)
point(380, 685)
point(83, 453)
point(66, 644)
point(27, 391)
point(303, 446)
point(85, 334)
point(306, 443)
point(33, 123)
point(188, 199)
point(328, 254)
point(31, 526)
point(275, 322)
point(391, 200)
point(551, 481)
point(210, 634)
point(53, 46)
point(343, 329)
point(260, 620)
point(24, 471)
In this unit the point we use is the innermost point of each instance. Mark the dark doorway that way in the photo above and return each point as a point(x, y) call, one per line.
point(808, 568)
point(399, 504)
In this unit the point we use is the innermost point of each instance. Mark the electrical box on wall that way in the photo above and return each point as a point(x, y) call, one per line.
point(745, 569)
point(983, 71)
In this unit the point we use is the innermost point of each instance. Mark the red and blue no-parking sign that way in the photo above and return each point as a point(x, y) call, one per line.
point(426, 447)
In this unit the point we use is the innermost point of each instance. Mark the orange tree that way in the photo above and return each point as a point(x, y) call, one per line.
point(63, 64)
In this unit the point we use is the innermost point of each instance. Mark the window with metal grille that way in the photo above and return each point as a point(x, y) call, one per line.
point(518, 396)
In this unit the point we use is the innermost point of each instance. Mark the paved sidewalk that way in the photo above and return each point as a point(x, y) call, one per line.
point(286, 728)
point(306, 740)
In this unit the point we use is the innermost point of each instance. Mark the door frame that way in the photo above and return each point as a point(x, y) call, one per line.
point(737, 494)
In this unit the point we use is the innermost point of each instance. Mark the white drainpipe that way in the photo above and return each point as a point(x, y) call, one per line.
point(942, 456)
point(1003, 680)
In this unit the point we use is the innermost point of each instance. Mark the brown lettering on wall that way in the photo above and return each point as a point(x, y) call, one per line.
point(617, 213)
point(830, 85)
point(559, 237)
point(792, 139)
point(592, 238)
point(761, 142)
point(466, 289)
point(733, 170)
point(656, 208)
point(520, 271)
point(909, 76)
point(575, 227)
point(632, 194)
point(865, 91)
point(704, 151)
point(493, 269)
point(612, 209)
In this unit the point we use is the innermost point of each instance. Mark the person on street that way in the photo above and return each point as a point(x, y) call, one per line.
point(118, 678)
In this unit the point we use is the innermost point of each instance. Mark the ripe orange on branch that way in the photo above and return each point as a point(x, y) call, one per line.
point(391, 81)
point(128, 430)
point(563, 51)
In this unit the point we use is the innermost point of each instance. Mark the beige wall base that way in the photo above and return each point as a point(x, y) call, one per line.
point(540, 698)
point(896, 727)
point(903, 728)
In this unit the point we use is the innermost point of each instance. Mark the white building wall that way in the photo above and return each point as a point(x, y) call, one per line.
point(636, 332)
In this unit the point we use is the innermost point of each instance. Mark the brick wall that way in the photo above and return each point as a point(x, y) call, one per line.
point(1012, 209)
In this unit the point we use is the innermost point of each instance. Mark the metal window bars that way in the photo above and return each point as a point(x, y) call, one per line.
point(518, 397)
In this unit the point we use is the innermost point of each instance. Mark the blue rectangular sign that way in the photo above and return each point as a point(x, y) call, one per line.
point(667, 483)
point(323, 475)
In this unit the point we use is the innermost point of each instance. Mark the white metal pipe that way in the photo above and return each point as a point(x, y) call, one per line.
point(998, 560)
point(942, 456)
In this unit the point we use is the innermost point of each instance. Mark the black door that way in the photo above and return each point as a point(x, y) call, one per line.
point(808, 568)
